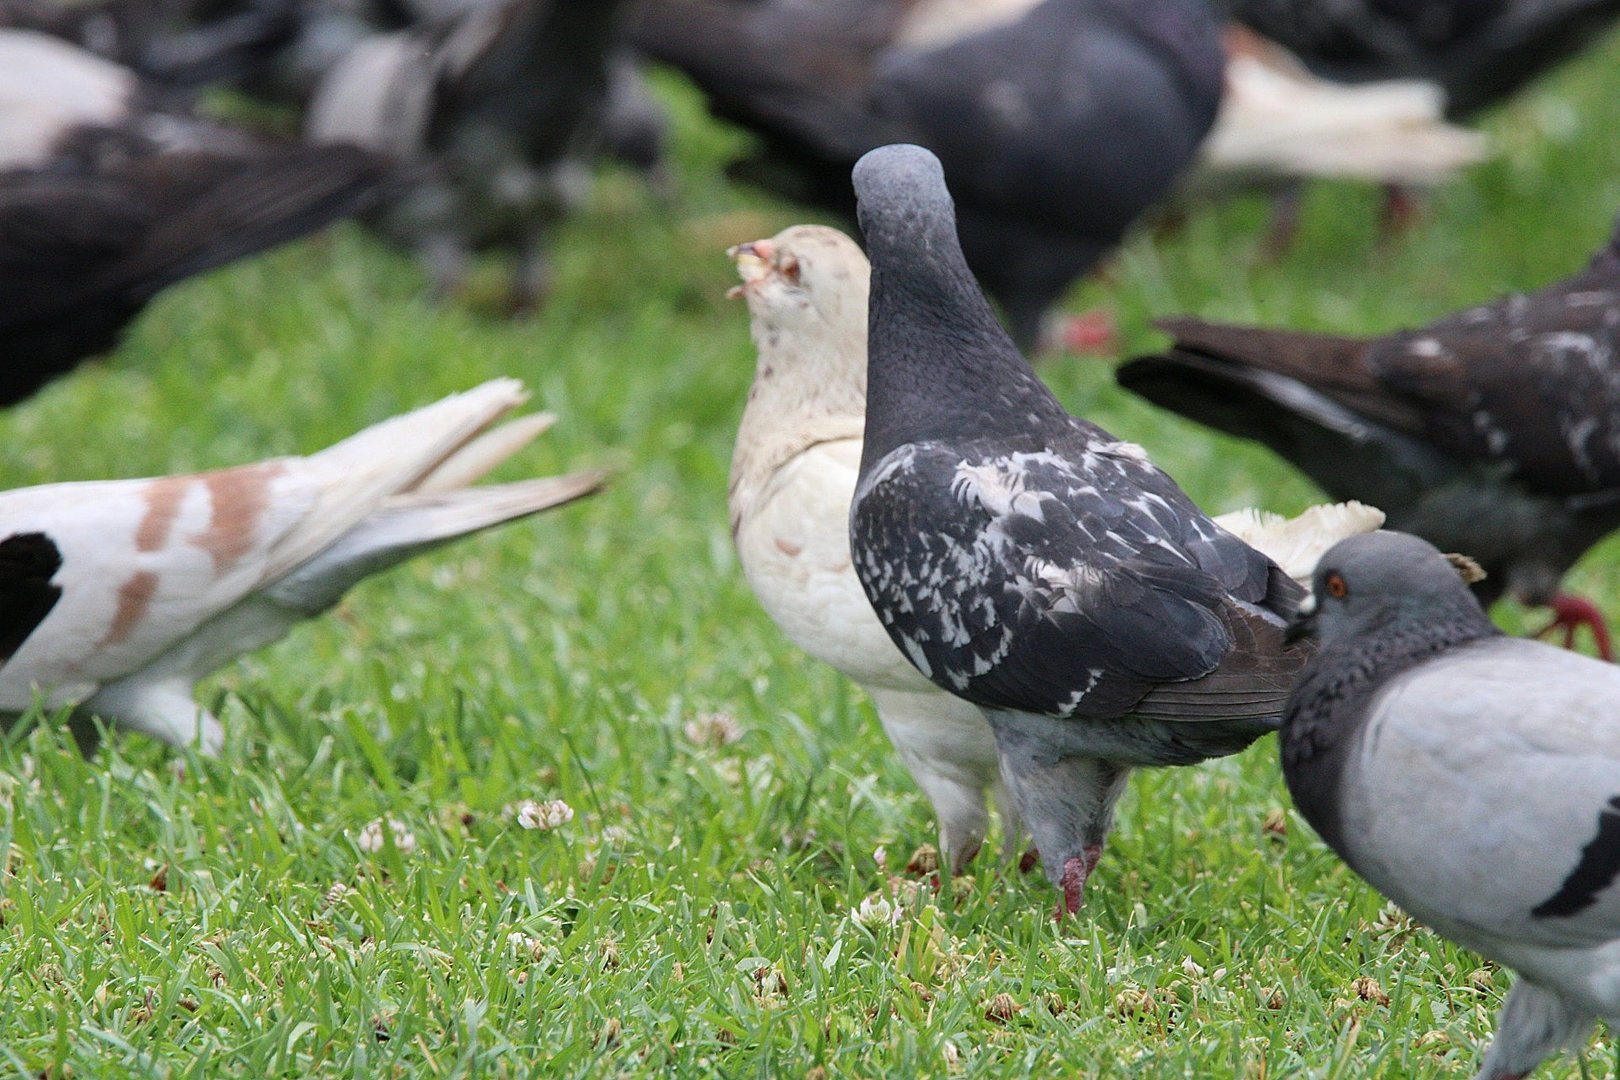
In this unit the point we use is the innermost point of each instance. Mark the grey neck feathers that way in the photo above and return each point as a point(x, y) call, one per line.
point(939, 364)
point(1330, 703)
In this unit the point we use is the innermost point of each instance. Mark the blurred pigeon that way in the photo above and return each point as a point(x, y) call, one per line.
point(177, 43)
point(1057, 129)
point(1479, 51)
point(1028, 561)
point(1494, 431)
point(798, 453)
point(1472, 778)
point(505, 101)
point(124, 593)
point(106, 200)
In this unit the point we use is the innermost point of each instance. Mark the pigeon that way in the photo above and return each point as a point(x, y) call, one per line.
point(1028, 561)
point(106, 199)
point(1494, 431)
point(1057, 129)
point(1478, 51)
point(174, 43)
point(792, 475)
point(1278, 121)
point(505, 102)
point(119, 595)
point(1471, 777)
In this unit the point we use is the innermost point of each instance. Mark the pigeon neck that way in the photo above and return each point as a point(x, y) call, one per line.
point(1330, 705)
point(939, 364)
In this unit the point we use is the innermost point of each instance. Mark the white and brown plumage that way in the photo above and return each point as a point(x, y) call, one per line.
point(124, 593)
point(792, 475)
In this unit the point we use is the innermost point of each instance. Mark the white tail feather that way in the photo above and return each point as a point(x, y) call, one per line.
point(484, 454)
point(1296, 544)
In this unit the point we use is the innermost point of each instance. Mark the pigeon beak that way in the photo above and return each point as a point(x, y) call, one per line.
point(1303, 624)
point(753, 261)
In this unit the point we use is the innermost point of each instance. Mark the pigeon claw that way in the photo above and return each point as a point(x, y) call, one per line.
point(1570, 613)
point(1029, 860)
point(1073, 884)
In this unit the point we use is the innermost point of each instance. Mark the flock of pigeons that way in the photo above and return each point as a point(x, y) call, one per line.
point(1035, 608)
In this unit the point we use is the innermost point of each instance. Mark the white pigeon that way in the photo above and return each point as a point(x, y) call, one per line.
point(793, 474)
point(1471, 777)
point(119, 595)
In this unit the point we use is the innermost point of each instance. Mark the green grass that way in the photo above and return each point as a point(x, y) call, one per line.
point(694, 916)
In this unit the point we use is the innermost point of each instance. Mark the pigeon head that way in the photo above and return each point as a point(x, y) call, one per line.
point(939, 364)
point(1382, 581)
point(807, 284)
point(28, 561)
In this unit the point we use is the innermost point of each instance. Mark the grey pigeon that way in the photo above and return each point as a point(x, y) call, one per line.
point(1056, 129)
point(108, 197)
point(1494, 431)
point(1471, 777)
point(1030, 562)
point(504, 103)
point(1479, 51)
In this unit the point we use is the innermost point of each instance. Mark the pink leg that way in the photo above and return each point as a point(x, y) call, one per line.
point(1029, 860)
point(1091, 333)
point(1073, 882)
point(1570, 613)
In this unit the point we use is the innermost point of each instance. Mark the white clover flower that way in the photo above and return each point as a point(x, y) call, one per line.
point(533, 814)
point(713, 729)
point(876, 911)
point(370, 839)
point(339, 892)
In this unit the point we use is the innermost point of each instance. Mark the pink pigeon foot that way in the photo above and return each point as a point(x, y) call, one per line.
point(1073, 882)
point(1029, 861)
point(1570, 613)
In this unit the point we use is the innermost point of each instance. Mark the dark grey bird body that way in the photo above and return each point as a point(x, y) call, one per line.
point(504, 102)
point(1471, 777)
point(1056, 130)
point(1494, 431)
point(1029, 562)
point(107, 198)
point(1478, 51)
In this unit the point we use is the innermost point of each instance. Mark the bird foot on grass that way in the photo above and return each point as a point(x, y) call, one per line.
point(1090, 333)
point(1073, 882)
point(1570, 613)
point(1029, 860)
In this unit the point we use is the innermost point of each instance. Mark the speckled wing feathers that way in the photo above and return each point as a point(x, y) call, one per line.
point(1063, 583)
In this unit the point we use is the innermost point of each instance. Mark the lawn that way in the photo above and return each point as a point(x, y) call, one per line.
point(166, 915)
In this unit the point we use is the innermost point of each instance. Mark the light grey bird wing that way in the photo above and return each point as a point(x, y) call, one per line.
point(1485, 795)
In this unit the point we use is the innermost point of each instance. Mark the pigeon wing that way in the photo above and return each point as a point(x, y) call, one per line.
point(1485, 795)
point(1038, 587)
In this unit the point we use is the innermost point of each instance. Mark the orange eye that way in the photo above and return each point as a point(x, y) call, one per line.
point(1336, 587)
point(789, 269)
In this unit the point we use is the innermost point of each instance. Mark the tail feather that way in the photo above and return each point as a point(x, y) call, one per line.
point(484, 454)
point(354, 477)
point(1296, 544)
point(248, 206)
point(407, 525)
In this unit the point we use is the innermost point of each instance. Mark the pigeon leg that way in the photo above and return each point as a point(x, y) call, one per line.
point(163, 710)
point(1570, 613)
point(1282, 223)
point(531, 278)
point(1534, 1025)
point(1398, 214)
point(1066, 801)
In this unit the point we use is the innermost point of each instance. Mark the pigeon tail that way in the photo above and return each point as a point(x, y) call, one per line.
point(408, 525)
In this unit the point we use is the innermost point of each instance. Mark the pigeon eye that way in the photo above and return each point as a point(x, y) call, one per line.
point(789, 269)
point(1336, 587)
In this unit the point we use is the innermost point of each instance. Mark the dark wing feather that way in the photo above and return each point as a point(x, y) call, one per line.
point(1026, 580)
point(28, 561)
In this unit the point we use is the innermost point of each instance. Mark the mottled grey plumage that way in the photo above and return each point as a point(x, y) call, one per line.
point(1479, 51)
point(1494, 431)
point(1056, 129)
point(1471, 777)
point(1031, 563)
